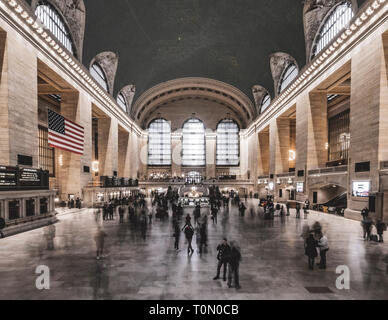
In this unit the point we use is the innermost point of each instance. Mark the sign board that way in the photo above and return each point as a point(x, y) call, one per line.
point(15, 178)
point(300, 187)
point(361, 189)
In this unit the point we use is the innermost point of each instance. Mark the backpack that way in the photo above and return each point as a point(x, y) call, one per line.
point(189, 232)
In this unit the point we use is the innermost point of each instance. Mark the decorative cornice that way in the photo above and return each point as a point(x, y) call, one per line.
point(373, 9)
point(25, 20)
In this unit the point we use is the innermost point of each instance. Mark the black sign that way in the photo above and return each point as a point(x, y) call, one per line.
point(15, 178)
point(8, 177)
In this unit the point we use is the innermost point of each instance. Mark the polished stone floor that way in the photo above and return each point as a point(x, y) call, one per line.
point(273, 266)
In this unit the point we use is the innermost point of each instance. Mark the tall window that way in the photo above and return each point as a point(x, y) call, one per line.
point(159, 143)
point(339, 136)
point(228, 143)
point(338, 19)
point(193, 144)
point(46, 153)
point(122, 102)
point(265, 103)
point(289, 74)
point(54, 22)
point(99, 75)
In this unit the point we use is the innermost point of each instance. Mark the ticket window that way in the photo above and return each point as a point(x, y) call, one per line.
point(30, 207)
point(14, 209)
point(43, 205)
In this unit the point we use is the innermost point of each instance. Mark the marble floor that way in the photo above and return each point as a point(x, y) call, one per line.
point(273, 266)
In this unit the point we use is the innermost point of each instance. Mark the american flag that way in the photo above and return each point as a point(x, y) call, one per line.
point(65, 134)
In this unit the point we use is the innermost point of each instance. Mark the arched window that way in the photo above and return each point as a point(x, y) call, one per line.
point(228, 143)
point(122, 102)
point(289, 74)
point(193, 143)
point(54, 22)
point(159, 143)
point(265, 103)
point(99, 75)
point(336, 20)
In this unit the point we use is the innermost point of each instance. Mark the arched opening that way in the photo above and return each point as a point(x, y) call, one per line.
point(336, 20)
point(122, 102)
point(289, 74)
point(228, 143)
point(53, 21)
point(266, 102)
point(159, 143)
point(99, 75)
point(193, 144)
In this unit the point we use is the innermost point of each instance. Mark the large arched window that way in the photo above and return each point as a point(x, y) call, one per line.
point(159, 143)
point(54, 22)
point(122, 102)
point(193, 143)
point(289, 74)
point(336, 20)
point(228, 143)
point(99, 75)
point(265, 103)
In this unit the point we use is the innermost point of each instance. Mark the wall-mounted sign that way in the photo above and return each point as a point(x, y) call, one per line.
point(15, 178)
point(361, 189)
point(300, 187)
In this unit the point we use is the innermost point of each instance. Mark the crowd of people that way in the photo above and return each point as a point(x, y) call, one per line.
point(196, 225)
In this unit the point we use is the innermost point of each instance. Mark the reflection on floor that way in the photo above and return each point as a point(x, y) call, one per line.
point(273, 266)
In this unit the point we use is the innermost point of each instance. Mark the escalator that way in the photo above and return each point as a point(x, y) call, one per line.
point(335, 205)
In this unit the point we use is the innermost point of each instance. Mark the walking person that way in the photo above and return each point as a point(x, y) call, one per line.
point(381, 227)
point(298, 210)
point(189, 233)
point(311, 250)
point(99, 238)
point(214, 214)
point(121, 214)
point(177, 236)
point(288, 209)
point(323, 245)
point(365, 213)
point(234, 265)
point(223, 257)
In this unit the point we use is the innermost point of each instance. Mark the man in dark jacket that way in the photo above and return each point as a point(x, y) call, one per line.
point(222, 256)
point(381, 227)
point(189, 233)
point(234, 265)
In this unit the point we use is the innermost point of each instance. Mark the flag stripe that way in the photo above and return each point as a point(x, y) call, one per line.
point(65, 134)
point(65, 149)
point(64, 145)
point(80, 130)
point(70, 139)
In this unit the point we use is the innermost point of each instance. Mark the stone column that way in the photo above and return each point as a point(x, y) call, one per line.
point(107, 146)
point(263, 153)
point(211, 143)
point(124, 153)
point(280, 145)
point(134, 155)
point(18, 91)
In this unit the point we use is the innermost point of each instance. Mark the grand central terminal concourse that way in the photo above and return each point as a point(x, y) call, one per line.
point(193, 150)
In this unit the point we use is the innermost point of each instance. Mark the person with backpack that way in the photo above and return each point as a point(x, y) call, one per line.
point(189, 233)
point(311, 250)
point(381, 227)
point(222, 257)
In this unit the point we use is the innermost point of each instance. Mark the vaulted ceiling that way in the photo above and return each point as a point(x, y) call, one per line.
point(161, 40)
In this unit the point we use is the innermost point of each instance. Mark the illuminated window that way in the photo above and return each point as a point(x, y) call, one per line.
point(228, 143)
point(290, 73)
point(99, 75)
point(46, 153)
point(54, 22)
point(265, 103)
point(159, 143)
point(337, 20)
point(122, 102)
point(193, 144)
